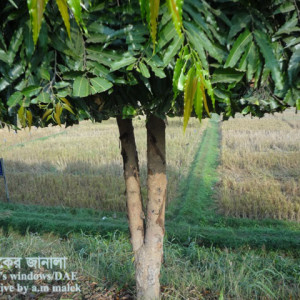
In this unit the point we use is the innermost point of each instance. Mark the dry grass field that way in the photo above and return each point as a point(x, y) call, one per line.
point(81, 166)
point(260, 167)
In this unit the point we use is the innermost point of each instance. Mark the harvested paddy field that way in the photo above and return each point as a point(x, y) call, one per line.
point(260, 167)
point(82, 166)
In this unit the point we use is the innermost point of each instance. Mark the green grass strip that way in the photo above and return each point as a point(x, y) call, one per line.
point(30, 218)
point(191, 218)
point(194, 204)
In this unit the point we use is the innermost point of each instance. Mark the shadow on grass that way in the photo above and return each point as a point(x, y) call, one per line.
point(190, 218)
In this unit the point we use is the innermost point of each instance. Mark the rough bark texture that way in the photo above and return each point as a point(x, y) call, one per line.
point(132, 181)
point(148, 247)
point(149, 257)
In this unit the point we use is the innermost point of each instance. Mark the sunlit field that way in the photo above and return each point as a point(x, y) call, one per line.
point(206, 255)
point(260, 167)
point(81, 166)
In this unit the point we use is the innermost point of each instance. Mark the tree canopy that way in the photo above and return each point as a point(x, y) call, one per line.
point(97, 59)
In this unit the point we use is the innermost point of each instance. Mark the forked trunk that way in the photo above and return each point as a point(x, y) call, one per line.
point(148, 249)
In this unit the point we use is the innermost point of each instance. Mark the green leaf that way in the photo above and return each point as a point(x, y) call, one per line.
point(258, 73)
point(284, 8)
point(238, 22)
point(76, 45)
point(200, 93)
point(144, 70)
point(43, 37)
point(205, 42)
point(63, 8)
point(76, 9)
point(15, 71)
point(3, 84)
point(56, 116)
point(36, 10)
point(246, 110)
point(47, 113)
point(64, 92)
point(128, 111)
point(101, 29)
point(182, 78)
point(252, 61)
point(110, 55)
point(244, 59)
point(265, 47)
point(143, 5)
point(165, 36)
point(28, 40)
point(154, 9)
point(291, 41)
point(289, 26)
point(227, 75)
point(172, 50)
point(157, 71)
point(44, 73)
point(196, 16)
point(100, 85)
point(96, 38)
point(287, 31)
point(21, 116)
point(176, 74)
point(294, 67)
point(66, 101)
point(209, 88)
point(15, 99)
point(124, 62)
point(29, 118)
point(13, 3)
point(199, 48)
point(198, 102)
point(273, 104)
point(31, 91)
point(81, 87)
point(43, 98)
point(61, 84)
point(99, 59)
point(68, 108)
point(4, 56)
point(238, 48)
point(15, 44)
point(175, 9)
point(189, 93)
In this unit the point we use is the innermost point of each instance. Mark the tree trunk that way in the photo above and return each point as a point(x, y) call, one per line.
point(132, 182)
point(150, 255)
point(148, 248)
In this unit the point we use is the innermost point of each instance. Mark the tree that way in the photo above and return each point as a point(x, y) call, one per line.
point(225, 56)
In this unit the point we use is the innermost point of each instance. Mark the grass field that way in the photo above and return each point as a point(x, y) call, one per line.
point(82, 166)
point(105, 268)
point(260, 167)
point(232, 227)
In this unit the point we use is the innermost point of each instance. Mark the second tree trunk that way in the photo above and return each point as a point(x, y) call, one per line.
point(149, 257)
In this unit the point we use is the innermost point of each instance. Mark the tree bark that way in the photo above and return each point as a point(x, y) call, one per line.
point(132, 182)
point(149, 257)
point(148, 247)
